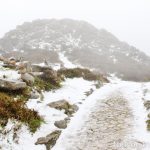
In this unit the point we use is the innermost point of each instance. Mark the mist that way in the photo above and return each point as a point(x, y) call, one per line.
point(126, 19)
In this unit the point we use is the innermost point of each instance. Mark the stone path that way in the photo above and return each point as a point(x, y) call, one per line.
point(107, 128)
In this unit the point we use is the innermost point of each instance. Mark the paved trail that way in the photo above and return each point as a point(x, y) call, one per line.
point(108, 127)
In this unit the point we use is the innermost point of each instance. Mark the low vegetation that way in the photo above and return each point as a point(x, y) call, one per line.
point(148, 122)
point(79, 72)
point(16, 109)
point(23, 94)
point(46, 85)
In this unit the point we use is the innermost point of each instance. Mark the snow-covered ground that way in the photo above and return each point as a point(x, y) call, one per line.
point(133, 93)
point(66, 62)
point(9, 74)
point(73, 91)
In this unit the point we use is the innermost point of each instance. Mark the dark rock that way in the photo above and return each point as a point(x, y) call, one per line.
point(50, 140)
point(88, 93)
point(64, 105)
point(62, 124)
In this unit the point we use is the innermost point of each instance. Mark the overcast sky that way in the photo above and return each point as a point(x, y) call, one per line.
point(129, 20)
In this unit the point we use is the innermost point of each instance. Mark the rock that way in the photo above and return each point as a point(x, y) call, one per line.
point(12, 59)
point(28, 66)
point(147, 105)
point(36, 68)
point(34, 95)
point(11, 84)
point(50, 140)
point(62, 124)
point(48, 72)
point(24, 67)
point(67, 119)
point(29, 79)
point(36, 74)
point(88, 93)
point(75, 107)
point(22, 71)
point(64, 105)
point(61, 104)
point(50, 75)
point(3, 122)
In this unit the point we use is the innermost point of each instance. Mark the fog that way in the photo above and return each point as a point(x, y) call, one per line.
point(129, 20)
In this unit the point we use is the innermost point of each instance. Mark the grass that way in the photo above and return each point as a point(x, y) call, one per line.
point(79, 72)
point(16, 109)
point(23, 94)
point(46, 84)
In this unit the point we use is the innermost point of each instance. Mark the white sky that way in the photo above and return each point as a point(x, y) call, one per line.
point(129, 20)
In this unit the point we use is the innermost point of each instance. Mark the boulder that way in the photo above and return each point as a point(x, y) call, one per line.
point(26, 77)
point(62, 124)
point(11, 84)
point(50, 140)
point(64, 105)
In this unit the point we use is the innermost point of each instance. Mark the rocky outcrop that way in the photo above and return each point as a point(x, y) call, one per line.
point(64, 105)
point(50, 140)
point(26, 77)
point(12, 85)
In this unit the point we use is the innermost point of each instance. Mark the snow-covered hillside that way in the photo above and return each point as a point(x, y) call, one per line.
point(81, 43)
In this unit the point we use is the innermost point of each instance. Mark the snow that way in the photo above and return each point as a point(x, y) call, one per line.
point(112, 46)
point(9, 74)
point(115, 60)
point(73, 91)
point(81, 116)
point(70, 40)
point(134, 95)
point(44, 45)
point(65, 60)
point(132, 92)
point(15, 50)
point(100, 50)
